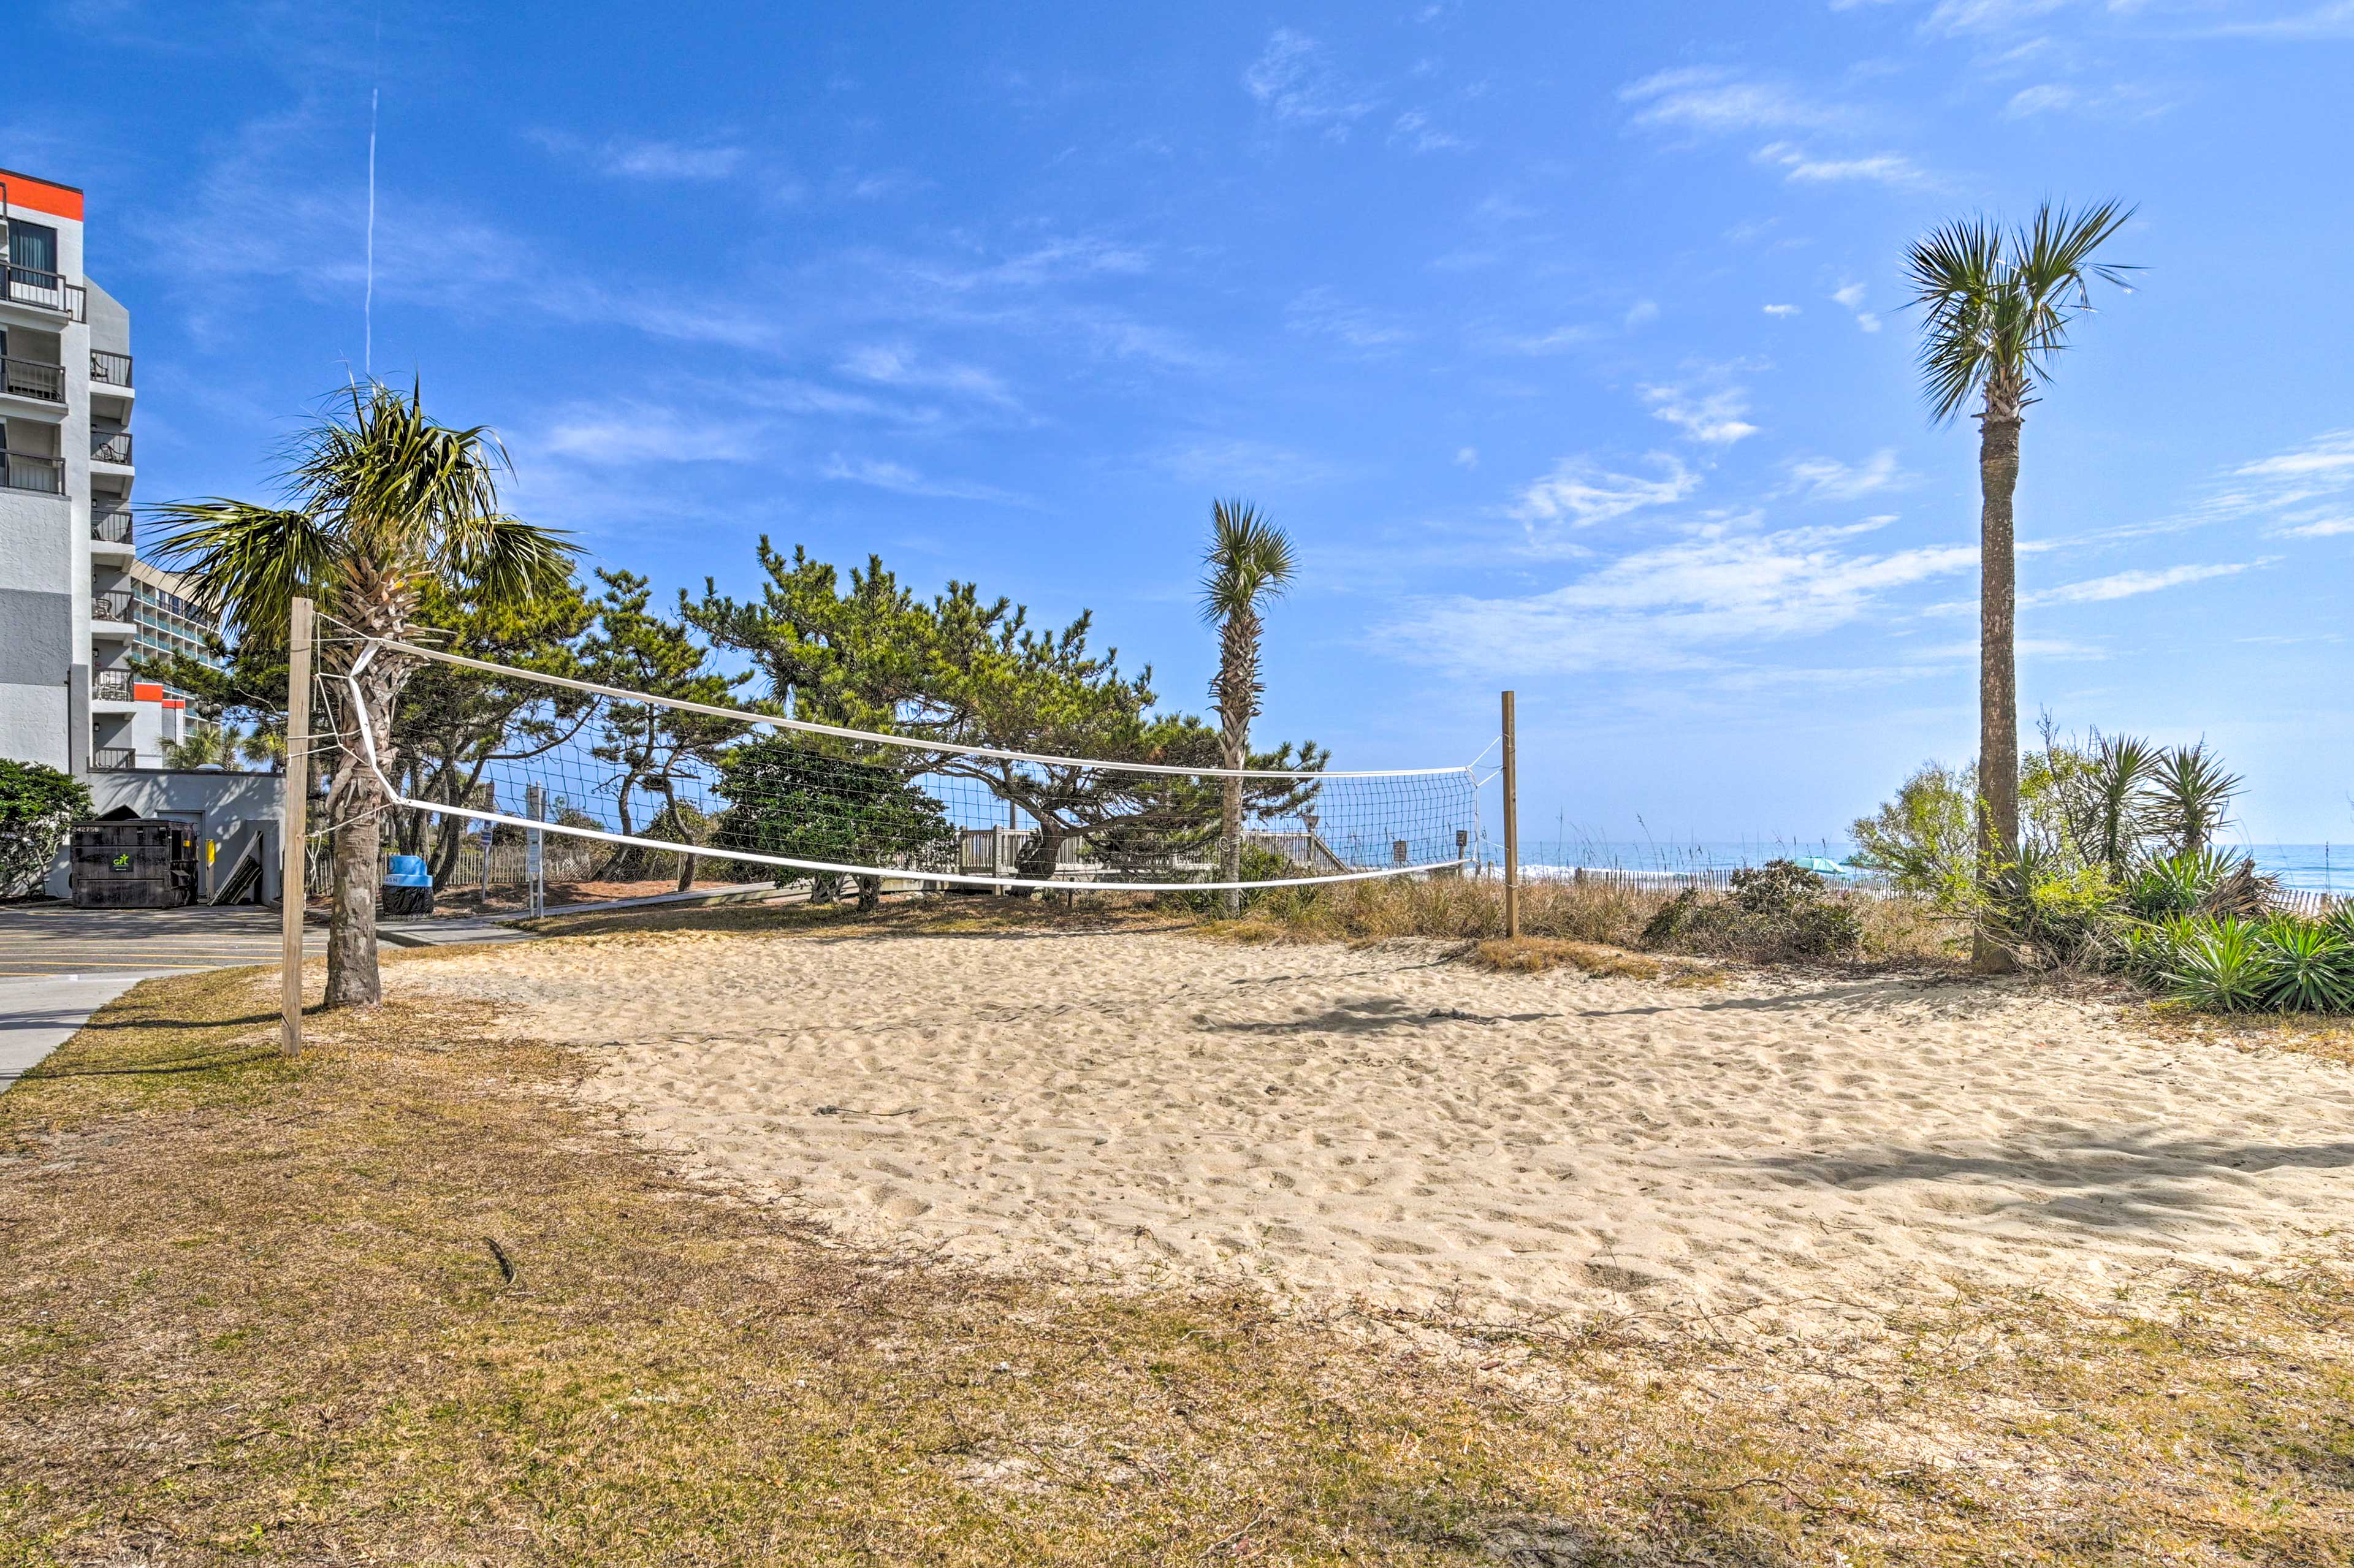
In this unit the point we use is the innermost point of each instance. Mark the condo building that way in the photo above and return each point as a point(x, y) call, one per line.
point(77, 604)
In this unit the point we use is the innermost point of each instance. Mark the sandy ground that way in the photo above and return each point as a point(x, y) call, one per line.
point(1386, 1127)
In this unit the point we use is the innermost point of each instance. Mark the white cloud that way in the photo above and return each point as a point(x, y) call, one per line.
point(2327, 528)
point(1297, 84)
point(1851, 296)
point(2131, 584)
point(1579, 493)
point(1708, 98)
point(899, 365)
point(901, 480)
point(1319, 313)
point(623, 158)
point(1954, 16)
point(1883, 168)
point(1640, 312)
point(1680, 606)
point(1467, 457)
point(1712, 417)
point(1828, 479)
point(1781, 309)
point(606, 435)
point(1226, 462)
point(1414, 130)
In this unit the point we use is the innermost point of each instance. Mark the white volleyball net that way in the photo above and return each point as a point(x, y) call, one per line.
point(625, 776)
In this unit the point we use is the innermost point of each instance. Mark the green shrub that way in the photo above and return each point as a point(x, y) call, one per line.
point(37, 807)
point(2307, 966)
point(1778, 910)
point(1259, 863)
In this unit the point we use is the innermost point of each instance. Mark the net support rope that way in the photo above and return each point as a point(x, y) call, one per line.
point(1441, 803)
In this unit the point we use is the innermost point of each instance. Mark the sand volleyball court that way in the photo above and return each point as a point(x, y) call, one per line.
point(1385, 1125)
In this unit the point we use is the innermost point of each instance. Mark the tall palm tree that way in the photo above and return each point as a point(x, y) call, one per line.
point(380, 500)
point(1248, 562)
point(1997, 308)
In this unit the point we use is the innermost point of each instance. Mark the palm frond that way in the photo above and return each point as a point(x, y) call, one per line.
point(1249, 559)
point(502, 559)
point(1996, 306)
point(248, 563)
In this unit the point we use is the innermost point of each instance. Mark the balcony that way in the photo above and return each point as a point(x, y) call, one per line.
point(112, 526)
point(115, 605)
point(112, 687)
point(113, 759)
point(110, 369)
point(115, 448)
point(44, 291)
point(43, 476)
point(29, 378)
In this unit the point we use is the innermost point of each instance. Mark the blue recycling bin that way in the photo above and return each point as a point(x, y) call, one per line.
point(408, 887)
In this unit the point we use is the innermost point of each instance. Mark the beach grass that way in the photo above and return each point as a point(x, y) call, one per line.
point(404, 1301)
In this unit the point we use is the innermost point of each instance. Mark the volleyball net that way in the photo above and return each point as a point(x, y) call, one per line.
point(497, 750)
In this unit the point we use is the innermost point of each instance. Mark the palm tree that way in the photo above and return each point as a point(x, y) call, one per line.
point(1248, 562)
point(380, 501)
point(1998, 305)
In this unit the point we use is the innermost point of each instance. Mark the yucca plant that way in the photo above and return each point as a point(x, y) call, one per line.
point(2191, 795)
point(2174, 883)
point(2220, 966)
point(2307, 967)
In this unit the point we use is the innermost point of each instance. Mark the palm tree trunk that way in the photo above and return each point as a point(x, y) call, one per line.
point(355, 808)
point(1237, 694)
point(1997, 654)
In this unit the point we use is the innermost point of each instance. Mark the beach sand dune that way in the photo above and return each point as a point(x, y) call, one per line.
point(1385, 1127)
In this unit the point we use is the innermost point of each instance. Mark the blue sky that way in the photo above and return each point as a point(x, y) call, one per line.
point(1567, 341)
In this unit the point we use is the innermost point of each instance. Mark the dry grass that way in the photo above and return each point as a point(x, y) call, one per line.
point(1896, 931)
point(1540, 955)
point(402, 1302)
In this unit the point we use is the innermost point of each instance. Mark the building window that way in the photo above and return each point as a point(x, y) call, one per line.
point(32, 246)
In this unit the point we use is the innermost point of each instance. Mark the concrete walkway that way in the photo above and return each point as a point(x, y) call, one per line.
point(60, 964)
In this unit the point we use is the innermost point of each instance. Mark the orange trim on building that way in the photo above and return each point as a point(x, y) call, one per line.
point(40, 196)
point(146, 692)
point(175, 702)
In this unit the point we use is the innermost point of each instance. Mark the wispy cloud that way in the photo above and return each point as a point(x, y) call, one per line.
point(613, 434)
point(1319, 314)
point(1580, 492)
point(2132, 584)
point(623, 158)
point(898, 365)
point(1801, 168)
point(1680, 606)
point(1828, 479)
point(1296, 83)
point(1781, 309)
point(1708, 98)
point(1415, 132)
point(901, 480)
point(1225, 461)
point(1712, 417)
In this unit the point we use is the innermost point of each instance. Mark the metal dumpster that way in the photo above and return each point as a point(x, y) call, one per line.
point(137, 864)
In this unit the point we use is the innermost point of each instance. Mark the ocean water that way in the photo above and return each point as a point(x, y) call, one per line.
point(2318, 868)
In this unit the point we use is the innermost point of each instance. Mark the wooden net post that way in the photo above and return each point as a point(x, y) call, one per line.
point(294, 829)
point(1511, 827)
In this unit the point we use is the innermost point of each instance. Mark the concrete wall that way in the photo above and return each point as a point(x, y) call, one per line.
point(226, 809)
point(36, 647)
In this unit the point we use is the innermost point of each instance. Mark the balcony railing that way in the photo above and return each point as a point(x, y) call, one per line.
point(112, 526)
point(113, 605)
point(112, 368)
point(44, 291)
point(110, 685)
point(30, 378)
point(115, 448)
point(113, 759)
point(23, 470)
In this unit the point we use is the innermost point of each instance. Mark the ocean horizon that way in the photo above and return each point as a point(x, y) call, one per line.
point(2310, 867)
